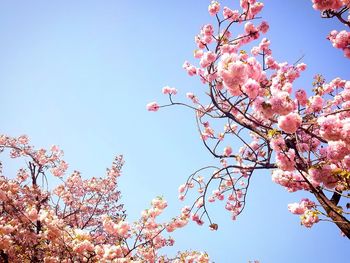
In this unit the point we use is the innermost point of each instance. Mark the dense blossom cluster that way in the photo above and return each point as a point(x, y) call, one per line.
point(81, 220)
point(324, 5)
point(301, 134)
point(306, 211)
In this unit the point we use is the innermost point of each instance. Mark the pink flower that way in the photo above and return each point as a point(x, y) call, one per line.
point(300, 208)
point(301, 66)
point(32, 214)
point(316, 103)
point(230, 14)
point(227, 151)
point(286, 160)
point(301, 97)
point(255, 51)
point(23, 139)
point(255, 8)
point(323, 5)
point(198, 53)
point(207, 59)
point(244, 4)
point(281, 103)
point(296, 209)
point(264, 46)
point(159, 203)
point(196, 218)
point(322, 175)
point(337, 150)
point(192, 97)
point(290, 123)
point(255, 71)
point(290, 180)
point(207, 30)
point(120, 229)
point(83, 246)
point(309, 218)
point(200, 42)
point(345, 132)
point(191, 70)
point(169, 90)
point(152, 106)
point(251, 88)
point(342, 39)
point(277, 143)
point(271, 62)
point(123, 229)
point(233, 72)
point(182, 188)
point(331, 127)
point(249, 28)
point(263, 27)
point(214, 8)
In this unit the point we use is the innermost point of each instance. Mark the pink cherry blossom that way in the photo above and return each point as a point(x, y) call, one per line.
point(227, 151)
point(251, 88)
point(207, 59)
point(169, 90)
point(230, 14)
point(263, 27)
point(214, 8)
point(152, 106)
point(326, 4)
point(309, 218)
point(290, 123)
point(233, 73)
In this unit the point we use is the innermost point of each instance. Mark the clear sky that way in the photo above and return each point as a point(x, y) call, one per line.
point(79, 74)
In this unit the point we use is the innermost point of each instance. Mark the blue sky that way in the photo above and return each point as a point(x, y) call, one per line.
point(79, 74)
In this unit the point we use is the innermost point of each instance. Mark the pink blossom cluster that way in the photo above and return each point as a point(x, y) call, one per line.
point(305, 209)
point(232, 15)
point(50, 159)
point(285, 160)
point(214, 8)
point(292, 181)
point(152, 106)
point(309, 218)
point(290, 122)
point(205, 37)
point(341, 40)
point(121, 229)
point(251, 7)
point(191, 70)
point(231, 69)
point(300, 208)
point(322, 5)
point(169, 90)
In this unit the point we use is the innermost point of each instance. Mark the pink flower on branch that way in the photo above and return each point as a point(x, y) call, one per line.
point(290, 122)
point(152, 106)
point(214, 8)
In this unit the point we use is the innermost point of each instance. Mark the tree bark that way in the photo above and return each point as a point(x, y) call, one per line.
point(333, 211)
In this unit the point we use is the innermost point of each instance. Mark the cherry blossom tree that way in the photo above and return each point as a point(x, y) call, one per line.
point(80, 220)
point(252, 117)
